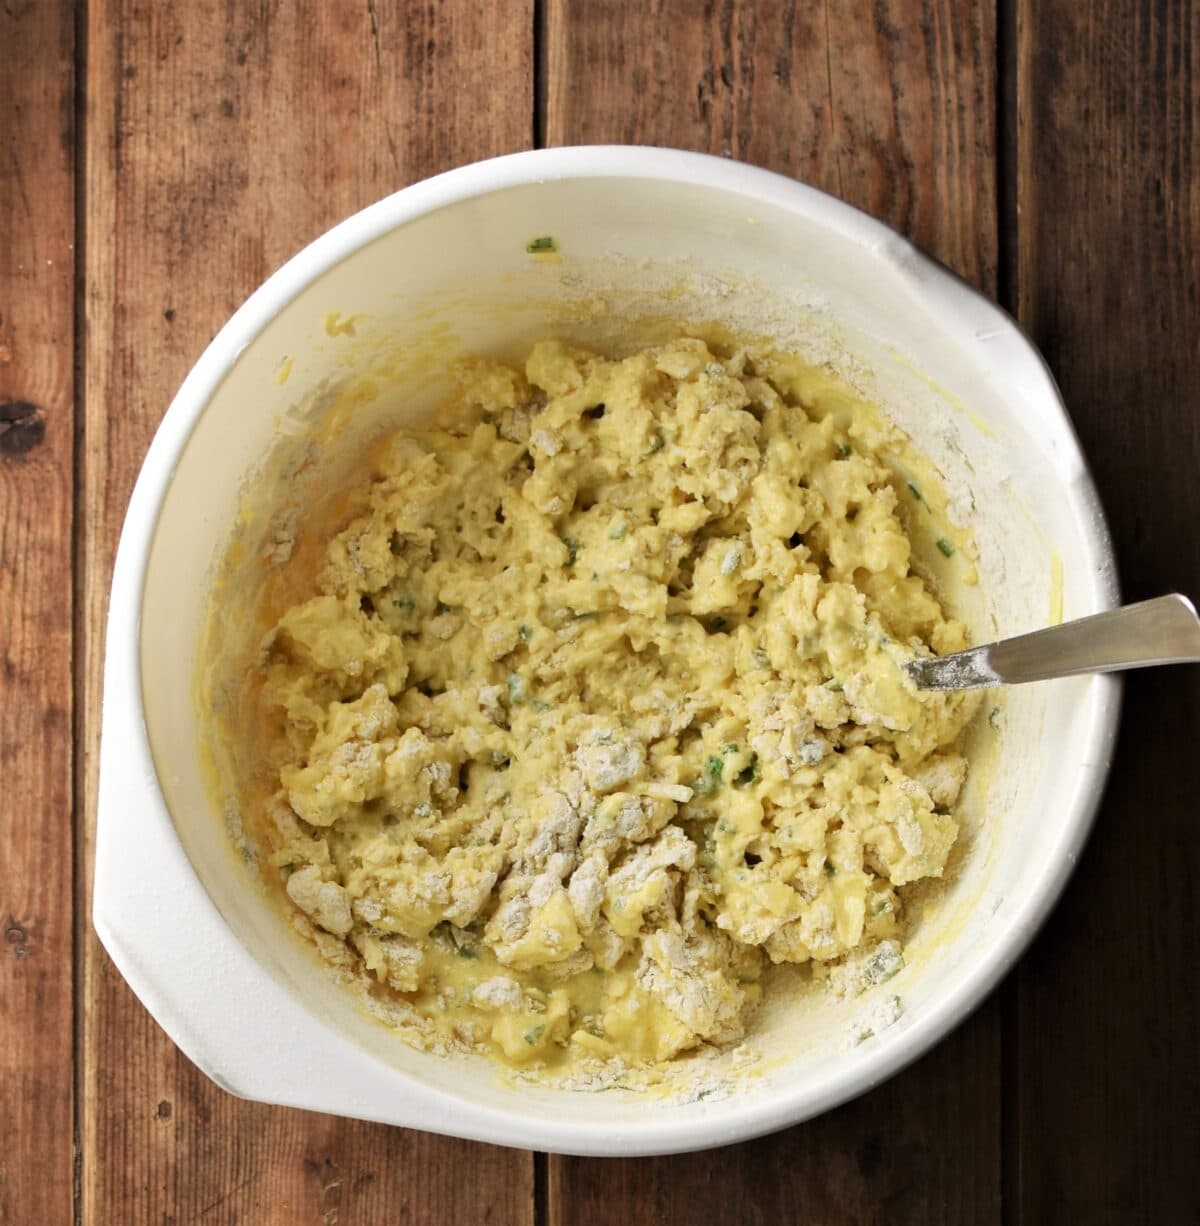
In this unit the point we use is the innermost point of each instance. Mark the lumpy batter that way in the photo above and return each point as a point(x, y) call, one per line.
point(593, 706)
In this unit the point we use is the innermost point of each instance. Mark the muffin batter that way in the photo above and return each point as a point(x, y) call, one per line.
point(593, 707)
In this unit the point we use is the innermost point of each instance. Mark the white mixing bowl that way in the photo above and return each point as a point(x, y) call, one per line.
point(645, 235)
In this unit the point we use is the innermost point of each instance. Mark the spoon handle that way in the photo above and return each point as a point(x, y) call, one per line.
point(1165, 630)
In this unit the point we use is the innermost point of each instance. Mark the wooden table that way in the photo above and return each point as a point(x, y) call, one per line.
point(158, 160)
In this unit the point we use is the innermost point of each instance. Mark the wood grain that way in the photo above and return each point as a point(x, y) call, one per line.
point(892, 107)
point(1108, 272)
point(37, 311)
point(220, 139)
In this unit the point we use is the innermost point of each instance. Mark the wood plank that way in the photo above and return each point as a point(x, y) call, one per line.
point(37, 394)
point(221, 138)
point(892, 107)
point(1107, 1125)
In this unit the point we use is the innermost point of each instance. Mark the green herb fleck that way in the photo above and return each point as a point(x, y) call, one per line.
point(525, 633)
point(619, 533)
point(834, 685)
point(572, 549)
point(830, 871)
point(539, 706)
point(516, 687)
point(916, 493)
point(881, 908)
point(947, 549)
point(845, 450)
point(540, 244)
point(467, 951)
point(747, 980)
point(657, 442)
point(748, 774)
point(711, 778)
point(994, 718)
point(532, 1036)
point(761, 659)
point(405, 607)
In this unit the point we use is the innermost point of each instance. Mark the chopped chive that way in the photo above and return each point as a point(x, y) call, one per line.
point(749, 774)
point(532, 1036)
point(572, 549)
point(994, 717)
point(945, 546)
point(916, 493)
point(619, 533)
point(516, 687)
point(543, 242)
point(845, 450)
point(525, 633)
point(708, 781)
point(834, 685)
point(467, 951)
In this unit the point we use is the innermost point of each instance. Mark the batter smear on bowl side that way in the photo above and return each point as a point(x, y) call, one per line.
point(588, 706)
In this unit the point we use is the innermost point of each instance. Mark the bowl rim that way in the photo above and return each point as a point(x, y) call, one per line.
point(132, 810)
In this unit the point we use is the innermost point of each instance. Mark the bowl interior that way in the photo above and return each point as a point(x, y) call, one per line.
point(371, 337)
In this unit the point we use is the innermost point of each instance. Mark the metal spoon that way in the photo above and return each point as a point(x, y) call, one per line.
point(1165, 630)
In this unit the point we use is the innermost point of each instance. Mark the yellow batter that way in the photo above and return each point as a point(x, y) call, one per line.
point(592, 706)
